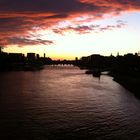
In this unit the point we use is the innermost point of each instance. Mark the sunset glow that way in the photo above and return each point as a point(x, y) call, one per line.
point(70, 28)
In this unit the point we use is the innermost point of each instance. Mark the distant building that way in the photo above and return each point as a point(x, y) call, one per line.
point(31, 56)
point(44, 55)
point(76, 58)
point(84, 59)
point(16, 57)
point(94, 58)
point(0, 49)
point(129, 54)
point(37, 56)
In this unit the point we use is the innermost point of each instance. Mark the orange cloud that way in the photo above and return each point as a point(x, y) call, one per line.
point(19, 18)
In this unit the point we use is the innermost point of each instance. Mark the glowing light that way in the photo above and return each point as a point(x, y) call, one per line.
point(71, 44)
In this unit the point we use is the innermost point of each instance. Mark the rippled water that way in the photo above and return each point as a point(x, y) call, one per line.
point(63, 103)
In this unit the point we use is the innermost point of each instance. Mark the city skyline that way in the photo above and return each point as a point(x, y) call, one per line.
point(70, 28)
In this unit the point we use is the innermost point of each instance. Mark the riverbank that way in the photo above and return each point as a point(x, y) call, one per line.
point(21, 67)
point(131, 83)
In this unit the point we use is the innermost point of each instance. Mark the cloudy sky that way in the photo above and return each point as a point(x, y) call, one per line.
point(70, 28)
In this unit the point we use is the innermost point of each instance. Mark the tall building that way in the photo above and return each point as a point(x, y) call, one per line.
point(0, 49)
point(44, 55)
point(76, 58)
point(37, 56)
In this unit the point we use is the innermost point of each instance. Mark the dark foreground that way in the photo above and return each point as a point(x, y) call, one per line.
point(63, 103)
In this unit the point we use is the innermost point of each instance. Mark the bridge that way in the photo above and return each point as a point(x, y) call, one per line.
point(63, 62)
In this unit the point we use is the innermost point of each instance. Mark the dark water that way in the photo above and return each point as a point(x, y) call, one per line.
point(64, 103)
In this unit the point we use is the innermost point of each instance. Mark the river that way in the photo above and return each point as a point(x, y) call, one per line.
point(63, 103)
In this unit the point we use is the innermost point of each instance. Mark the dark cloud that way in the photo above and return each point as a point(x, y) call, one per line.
point(48, 6)
point(19, 17)
point(64, 6)
point(22, 41)
point(89, 28)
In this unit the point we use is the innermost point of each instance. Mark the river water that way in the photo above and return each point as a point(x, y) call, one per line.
point(63, 103)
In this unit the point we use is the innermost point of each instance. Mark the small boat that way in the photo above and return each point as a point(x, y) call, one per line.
point(97, 74)
point(89, 72)
point(94, 72)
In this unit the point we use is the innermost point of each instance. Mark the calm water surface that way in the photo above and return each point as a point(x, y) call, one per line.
point(63, 103)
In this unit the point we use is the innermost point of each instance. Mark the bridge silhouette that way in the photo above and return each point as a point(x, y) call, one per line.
point(63, 62)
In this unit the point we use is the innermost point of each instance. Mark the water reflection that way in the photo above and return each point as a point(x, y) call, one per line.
point(64, 103)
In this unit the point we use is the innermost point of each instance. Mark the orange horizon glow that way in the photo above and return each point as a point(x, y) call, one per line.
point(80, 28)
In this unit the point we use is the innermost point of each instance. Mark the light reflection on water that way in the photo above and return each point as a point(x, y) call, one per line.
point(61, 102)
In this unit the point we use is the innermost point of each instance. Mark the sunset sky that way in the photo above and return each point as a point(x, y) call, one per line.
point(65, 29)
